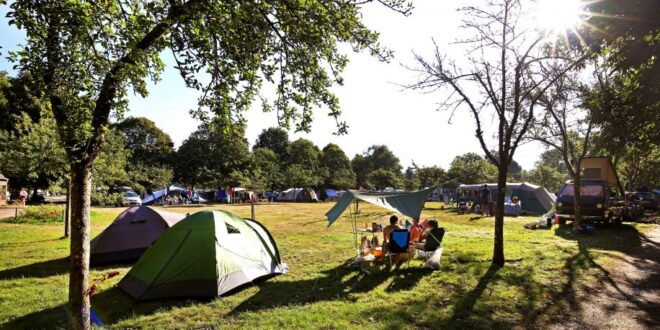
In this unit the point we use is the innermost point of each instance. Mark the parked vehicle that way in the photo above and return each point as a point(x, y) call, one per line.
point(597, 197)
point(645, 199)
point(131, 198)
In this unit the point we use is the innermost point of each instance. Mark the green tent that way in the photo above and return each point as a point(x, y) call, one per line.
point(208, 254)
point(407, 203)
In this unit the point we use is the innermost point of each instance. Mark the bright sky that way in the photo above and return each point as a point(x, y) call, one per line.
point(376, 108)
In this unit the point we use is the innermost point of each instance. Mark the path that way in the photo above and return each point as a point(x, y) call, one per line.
point(626, 296)
point(8, 212)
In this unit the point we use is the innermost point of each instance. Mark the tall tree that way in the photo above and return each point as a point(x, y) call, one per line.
point(266, 170)
point(85, 56)
point(305, 161)
point(499, 79)
point(336, 167)
point(471, 168)
point(362, 166)
point(275, 139)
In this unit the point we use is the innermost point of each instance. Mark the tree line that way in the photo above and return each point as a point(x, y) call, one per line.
point(84, 58)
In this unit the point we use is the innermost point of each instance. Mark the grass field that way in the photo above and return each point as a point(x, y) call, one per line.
point(544, 268)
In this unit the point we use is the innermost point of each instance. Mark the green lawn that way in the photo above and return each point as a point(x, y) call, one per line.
point(320, 291)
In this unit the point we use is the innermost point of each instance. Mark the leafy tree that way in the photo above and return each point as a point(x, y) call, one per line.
point(547, 176)
point(267, 172)
point(430, 176)
point(382, 157)
point(275, 139)
point(343, 178)
point(211, 154)
point(110, 166)
point(86, 55)
point(19, 96)
point(151, 151)
point(471, 168)
point(382, 178)
point(337, 167)
point(297, 175)
point(506, 87)
point(552, 158)
point(362, 166)
point(30, 155)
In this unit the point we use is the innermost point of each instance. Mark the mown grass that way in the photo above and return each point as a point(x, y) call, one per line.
point(321, 291)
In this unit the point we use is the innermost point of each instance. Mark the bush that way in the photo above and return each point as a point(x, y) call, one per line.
point(103, 198)
point(41, 214)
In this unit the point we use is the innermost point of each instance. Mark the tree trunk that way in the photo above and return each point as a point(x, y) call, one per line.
point(577, 201)
point(498, 249)
point(81, 183)
point(67, 209)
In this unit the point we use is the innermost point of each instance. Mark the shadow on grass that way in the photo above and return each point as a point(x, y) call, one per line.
point(39, 269)
point(625, 239)
point(51, 318)
point(339, 283)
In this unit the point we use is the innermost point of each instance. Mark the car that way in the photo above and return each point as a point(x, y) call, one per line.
point(596, 196)
point(131, 198)
point(645, 199)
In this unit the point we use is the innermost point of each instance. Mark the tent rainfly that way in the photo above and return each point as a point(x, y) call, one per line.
point(208, 254)
point(131, 234)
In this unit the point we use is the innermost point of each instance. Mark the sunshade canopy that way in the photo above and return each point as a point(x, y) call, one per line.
point(132, 232)
point(407, 203)
point(206, 255)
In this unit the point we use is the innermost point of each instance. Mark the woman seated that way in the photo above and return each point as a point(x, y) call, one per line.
point(415, 231)
point(432, 237)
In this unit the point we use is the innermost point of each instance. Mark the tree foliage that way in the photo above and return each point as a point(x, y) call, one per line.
point(470, 168)
point(382, 178)
point(275, 139)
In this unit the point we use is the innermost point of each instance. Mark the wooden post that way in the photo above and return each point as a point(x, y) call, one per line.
point(252, 207)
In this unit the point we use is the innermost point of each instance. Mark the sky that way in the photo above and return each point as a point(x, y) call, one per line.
point(376, 107)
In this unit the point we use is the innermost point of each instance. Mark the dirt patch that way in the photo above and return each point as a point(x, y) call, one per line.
point(6, 212)
point(625, 296)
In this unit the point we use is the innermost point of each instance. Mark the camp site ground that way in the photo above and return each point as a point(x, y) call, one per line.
point(553, 278)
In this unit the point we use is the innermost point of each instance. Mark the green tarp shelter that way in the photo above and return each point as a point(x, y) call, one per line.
point(407, 203)
point(208, 254)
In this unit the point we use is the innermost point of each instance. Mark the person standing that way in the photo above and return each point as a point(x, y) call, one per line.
point(22, 196)
point(484, 199)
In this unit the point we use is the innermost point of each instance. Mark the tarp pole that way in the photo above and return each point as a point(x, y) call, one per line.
point(353, 217)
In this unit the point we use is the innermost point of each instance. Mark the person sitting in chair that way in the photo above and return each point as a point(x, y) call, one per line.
point(432, 238)
point(394, 224)
point(416, 231)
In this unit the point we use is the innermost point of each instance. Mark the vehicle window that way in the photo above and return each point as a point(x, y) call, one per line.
point(585, 190)
point(131, 194)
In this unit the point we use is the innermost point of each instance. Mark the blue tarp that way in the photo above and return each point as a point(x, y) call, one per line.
point(331, 193)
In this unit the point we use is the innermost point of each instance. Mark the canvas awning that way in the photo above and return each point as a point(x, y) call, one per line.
point(407, 203)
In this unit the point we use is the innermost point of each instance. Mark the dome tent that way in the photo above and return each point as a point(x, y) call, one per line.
point(132, 232)
point(207, 255)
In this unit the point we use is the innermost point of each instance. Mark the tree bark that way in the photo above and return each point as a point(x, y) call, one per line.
point(498, 248)
point(67, 209)
point(81, 183)
point(577, 200)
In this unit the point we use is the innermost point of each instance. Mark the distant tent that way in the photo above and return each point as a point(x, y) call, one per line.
point(533, 198)
point(307, 195)
point(131, 234)
point(3, 189)
point(298, 195)
point(207, 255)
point(150, 199)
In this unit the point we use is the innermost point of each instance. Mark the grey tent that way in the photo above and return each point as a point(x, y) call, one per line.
point(533, 198)
point(208, 254)
point(132, 232)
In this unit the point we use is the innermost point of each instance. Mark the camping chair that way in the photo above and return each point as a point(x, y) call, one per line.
point(399, 243)
point(427, 254)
